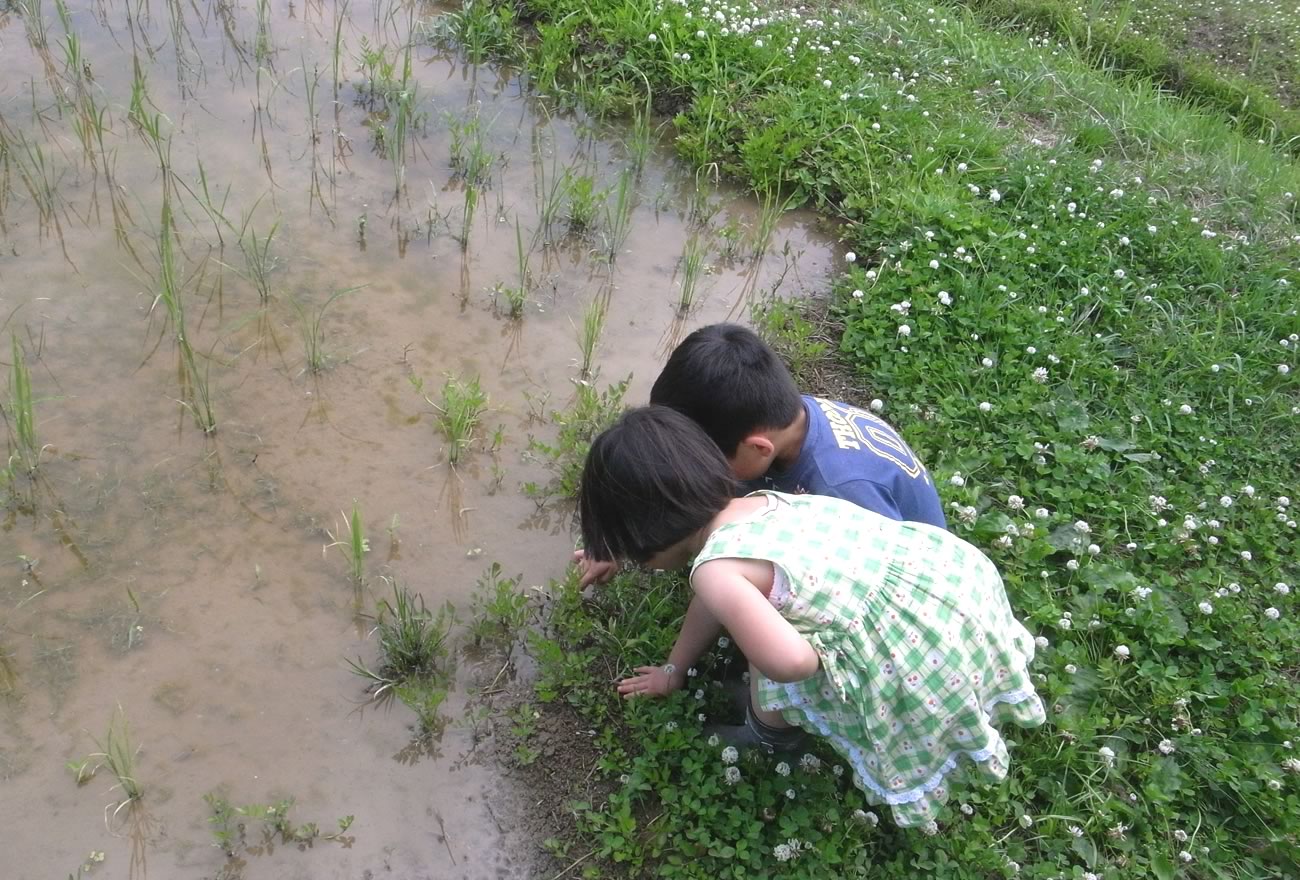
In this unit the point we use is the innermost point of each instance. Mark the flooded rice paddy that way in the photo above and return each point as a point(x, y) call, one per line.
point(184, 189)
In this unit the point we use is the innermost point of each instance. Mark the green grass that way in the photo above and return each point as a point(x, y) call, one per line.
point(354, 543)
point(21, 412)
point(118, 754)
point(459, 414)
point(589, 334)
point(1075, 296)
point(310, 327)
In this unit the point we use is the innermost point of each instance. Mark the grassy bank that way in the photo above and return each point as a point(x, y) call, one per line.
point(1076, 297)
point(1235, 64)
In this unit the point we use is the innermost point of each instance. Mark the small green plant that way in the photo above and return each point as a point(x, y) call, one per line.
point(232, 824)
point(593, 327)
point(499, 610)
point(379, 75)
point(23, 447)
point(480, 28)
point(618, 216)
point(523, 727)
point(413, 650)
point(691, 267)
point(257, 255)
point(584, 202)
point(118, 755)
point(471, 160)
point(313, 336)
point(591, 412)
point(771, 208)
point(459, 413)
point(467, 214)
point(517, 297)
point(355, 544)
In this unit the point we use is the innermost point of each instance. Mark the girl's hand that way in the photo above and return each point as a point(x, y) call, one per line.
point(652, 681)
point(593, 572)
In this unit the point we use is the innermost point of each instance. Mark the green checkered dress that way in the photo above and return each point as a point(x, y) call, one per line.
point(920, 653)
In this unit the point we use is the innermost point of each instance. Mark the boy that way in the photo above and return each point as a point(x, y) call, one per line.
point(730, 382)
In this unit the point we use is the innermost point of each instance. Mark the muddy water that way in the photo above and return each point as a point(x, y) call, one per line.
point(183, 577)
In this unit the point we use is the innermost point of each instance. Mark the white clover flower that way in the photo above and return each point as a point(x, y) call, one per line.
point(1281, 589)
point(653, 38)
point(1205, 607)
point(1065, 623)
point(1272, 613)
point(1225, 501)
point(1042, 513)
point(1180, 835)
point(1015, 502)
point(1026, 820)
point(858, 294)
point(700, 35)
point(987, 362)
point(731, 775)
point(1040, 375)
point(1093, 549)
point(1003, 542)
point(810, 762)
point(967, 810)
point(985, 406)
point(1072, 564)
point(730, 755)
point(1141, 593)
point(1075, 831)
point(1071, 669)
point(789, 793)
point(838, 770)
point(1122, 652)
point(850, 257)
point(1246, 555)
point(1185, 856)
point(1291, 765)
point(1120, 273)
point(714, 741)
point(724, 642)
point(782, 852)
point(1107, 755)
point(1248, 490)
point(1185, 409)
point(1275, 785)
point(930, 829)
point(1041, 642)
point(904, 330)
point(1082, 527)
point(995, 196)
point(1283, 369)
point(1166, 747)
point(783, 769)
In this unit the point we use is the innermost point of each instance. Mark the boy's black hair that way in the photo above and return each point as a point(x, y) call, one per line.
point(730, 383)
point(650, 480)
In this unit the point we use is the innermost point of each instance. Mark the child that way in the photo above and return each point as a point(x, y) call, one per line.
point(894, 641)
point(739, 391)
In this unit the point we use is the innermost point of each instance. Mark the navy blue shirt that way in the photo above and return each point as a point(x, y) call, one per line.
point(853, 454)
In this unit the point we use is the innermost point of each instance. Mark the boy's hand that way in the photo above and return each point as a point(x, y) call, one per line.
point(652, 681)
point(593, 572)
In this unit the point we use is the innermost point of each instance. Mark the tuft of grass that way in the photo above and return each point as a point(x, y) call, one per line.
point(690, 267)
point(593, 327)
point(459, 413)
point(354, 543)
point(618, 215)
point(313, 336)
point(499, 610)
point(584, 201)
point(517, 296)
point(117, 753)
point(22, 423)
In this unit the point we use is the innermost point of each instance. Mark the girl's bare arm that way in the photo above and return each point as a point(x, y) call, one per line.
point(770, 642)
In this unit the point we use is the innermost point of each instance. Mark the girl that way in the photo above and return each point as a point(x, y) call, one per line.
point(894, 641)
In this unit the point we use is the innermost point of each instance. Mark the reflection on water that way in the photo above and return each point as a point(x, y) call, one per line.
point(185, 192)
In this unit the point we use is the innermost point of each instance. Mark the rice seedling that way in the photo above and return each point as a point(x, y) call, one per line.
point(257, 255)
point(118, 755)
point(593, 327)
point(461, 409)
point(517, 296)
point(34, 23)
point(467, 214)
point(584, 201)
point(139, 93)
point(337, 45)
point(194, 383)
point(24, 447)
point(38, 176)
point(405, 117)
point(471, 161)
point(771, 208)
point(641, 138)
point(691, 267)
point(551, 192)
point(313, 337)
point(618, 216)
point(354, 545)
point(263, 44)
